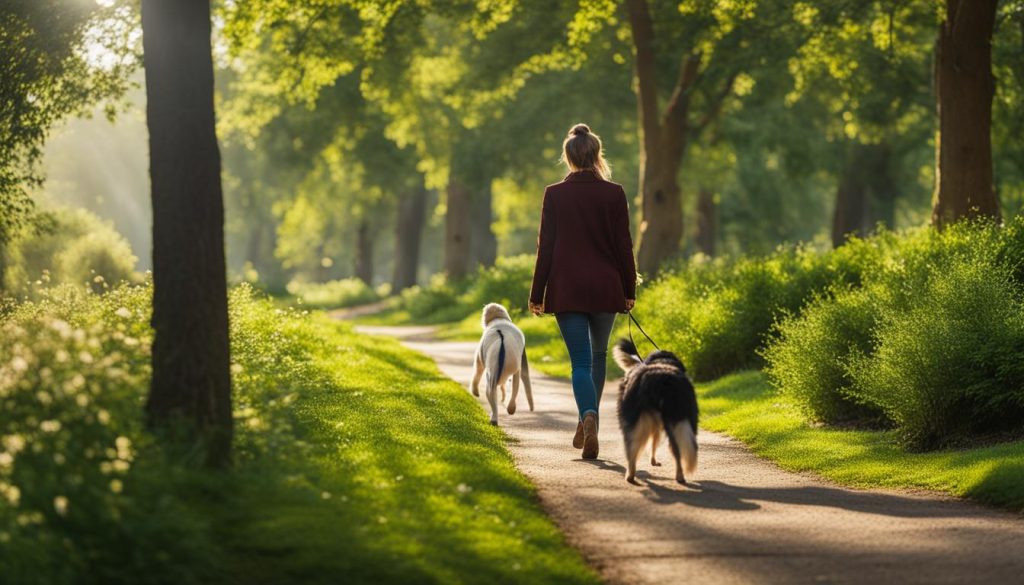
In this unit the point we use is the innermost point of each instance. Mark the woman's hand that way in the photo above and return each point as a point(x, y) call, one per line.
point(630, 303)
point(537, 308)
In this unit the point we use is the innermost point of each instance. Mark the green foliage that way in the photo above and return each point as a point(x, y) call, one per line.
point(910, 342)
point(74, 247)
point(507, 282)
point(441, 301)
point(947, 365)
point(47, 74)
point(333, 458)
point(810, 360)
point(334, 294)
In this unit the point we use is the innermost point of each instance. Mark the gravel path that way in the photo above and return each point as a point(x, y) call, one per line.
point(742, 519)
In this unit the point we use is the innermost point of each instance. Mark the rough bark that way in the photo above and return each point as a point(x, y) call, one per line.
point(364, 253)
point(965, 88)
point(457, 227)
point(707, 222)
point(190, 393)
point(412, 212)
point(485, 243)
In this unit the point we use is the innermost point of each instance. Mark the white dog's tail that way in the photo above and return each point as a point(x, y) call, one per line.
point(626, 355)
point(525, 373)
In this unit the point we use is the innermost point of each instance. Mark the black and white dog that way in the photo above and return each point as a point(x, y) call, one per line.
point(656, 394)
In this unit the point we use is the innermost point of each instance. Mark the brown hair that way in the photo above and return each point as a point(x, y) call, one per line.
point(582, 151)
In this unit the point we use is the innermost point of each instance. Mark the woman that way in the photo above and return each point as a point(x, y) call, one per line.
point(585, 272)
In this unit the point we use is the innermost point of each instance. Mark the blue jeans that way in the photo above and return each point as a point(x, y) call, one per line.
point(586, 338)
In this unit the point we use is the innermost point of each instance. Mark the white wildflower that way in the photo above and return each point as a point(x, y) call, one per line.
point(60, 504)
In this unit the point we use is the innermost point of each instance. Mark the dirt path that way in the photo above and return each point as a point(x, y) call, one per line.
point(742, 520)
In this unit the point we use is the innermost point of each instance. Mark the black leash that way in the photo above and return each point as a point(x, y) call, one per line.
point(633, 320)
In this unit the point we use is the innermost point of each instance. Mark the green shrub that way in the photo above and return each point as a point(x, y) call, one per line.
point(716, 315)
point(507, 282)
point(334, 294)
point(80, 478)
point(809, 359)
point(76, 247)
point(946, 357)
point(438, 302)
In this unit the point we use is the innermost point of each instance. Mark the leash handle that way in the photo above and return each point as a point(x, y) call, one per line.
point(633, 320)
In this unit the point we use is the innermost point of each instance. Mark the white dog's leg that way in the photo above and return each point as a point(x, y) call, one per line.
point(492, 397)
point(515, 392)
point(479, 374)
point(503, 392)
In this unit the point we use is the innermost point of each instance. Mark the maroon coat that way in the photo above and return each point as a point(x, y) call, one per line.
point(584, 250)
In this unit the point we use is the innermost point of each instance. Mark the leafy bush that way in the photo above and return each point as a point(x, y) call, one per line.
point(507, 282)
point(76, 247)
point(716, 315)
point(931, 339)
point(810, 358)
point(80, 481)
point(437, 302)
point(334, 294)
point(80, 478)
point(948, 365)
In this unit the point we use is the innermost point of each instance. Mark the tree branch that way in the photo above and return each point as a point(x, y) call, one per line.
point(689, 72)
point(715, 106)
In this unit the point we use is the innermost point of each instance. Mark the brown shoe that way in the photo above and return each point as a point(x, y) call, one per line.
point(590, 436)
point(577, 439)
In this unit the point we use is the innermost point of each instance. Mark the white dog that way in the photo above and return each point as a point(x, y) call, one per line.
point(501, 353)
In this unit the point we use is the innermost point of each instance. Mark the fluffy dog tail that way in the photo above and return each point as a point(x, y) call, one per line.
point(689, 448)
point(626, 355)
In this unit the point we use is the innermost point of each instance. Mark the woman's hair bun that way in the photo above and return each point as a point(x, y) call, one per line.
point(579, 130)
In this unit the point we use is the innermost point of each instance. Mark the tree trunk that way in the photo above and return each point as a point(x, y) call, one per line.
point(412, 212)
point(364, 253)
point(665, 137)
point(190, 393)
point(457, 228)
point(965, 87)
point(850, 217)
point(707, 222)
point(485, 244)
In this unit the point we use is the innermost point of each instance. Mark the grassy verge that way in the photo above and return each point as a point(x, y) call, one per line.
point(355, 460)
point(744, 406)
point(407, 483)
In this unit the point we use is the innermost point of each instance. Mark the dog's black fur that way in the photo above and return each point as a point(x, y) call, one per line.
point(655, 395)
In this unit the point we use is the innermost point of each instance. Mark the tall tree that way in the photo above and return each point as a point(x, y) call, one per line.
point(190, 394)
point(710, 44)
point(964, 89)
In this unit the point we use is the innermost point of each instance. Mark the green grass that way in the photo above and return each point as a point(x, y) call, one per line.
point(406, 482)
point(744, 406)
point(356, 461)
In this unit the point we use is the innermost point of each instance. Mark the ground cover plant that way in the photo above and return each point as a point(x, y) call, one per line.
point(339, 469)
